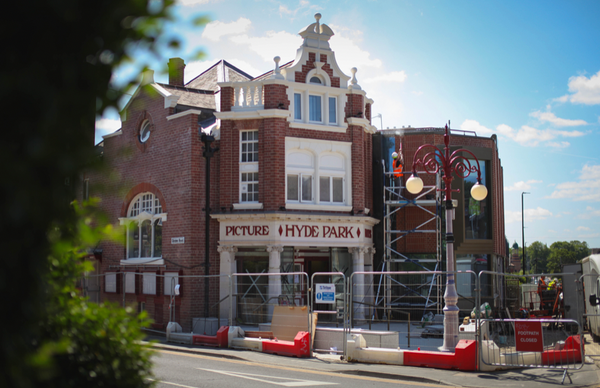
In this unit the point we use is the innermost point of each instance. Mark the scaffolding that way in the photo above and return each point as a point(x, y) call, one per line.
point(394, 200)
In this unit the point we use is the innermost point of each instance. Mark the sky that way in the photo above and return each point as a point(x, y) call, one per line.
point(527, 71)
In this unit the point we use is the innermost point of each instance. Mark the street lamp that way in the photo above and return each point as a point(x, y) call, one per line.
point(434, 161)
point(523, 229)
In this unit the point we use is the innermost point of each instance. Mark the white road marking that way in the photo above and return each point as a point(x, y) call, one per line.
point(175, 384)
point(290, 383)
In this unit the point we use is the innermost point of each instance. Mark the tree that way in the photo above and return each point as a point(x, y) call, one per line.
point(55, 81)
point(562, 252)
point(537, 257)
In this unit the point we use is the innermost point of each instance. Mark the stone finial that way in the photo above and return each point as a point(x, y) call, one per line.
point(277, 71)
point(353, 82)
point(317, 26)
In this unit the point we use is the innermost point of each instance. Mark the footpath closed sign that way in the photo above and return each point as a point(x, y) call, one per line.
point(528, 336)
point(325, 293)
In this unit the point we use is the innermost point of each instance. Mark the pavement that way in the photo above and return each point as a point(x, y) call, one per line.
point(587, 376)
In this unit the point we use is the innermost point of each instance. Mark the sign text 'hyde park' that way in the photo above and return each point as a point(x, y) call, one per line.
point(304, 231)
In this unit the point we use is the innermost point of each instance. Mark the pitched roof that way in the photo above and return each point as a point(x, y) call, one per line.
point(221, 71)
point(192, 97)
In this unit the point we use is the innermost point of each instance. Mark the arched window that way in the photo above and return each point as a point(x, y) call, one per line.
point(144, 222)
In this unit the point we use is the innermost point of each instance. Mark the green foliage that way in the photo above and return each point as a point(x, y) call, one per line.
point(83, 343)
point(562, 252)
point(537, 257)
point(56, 79)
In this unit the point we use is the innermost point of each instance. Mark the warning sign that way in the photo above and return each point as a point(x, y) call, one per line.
point(325, 293)
point(528, 336)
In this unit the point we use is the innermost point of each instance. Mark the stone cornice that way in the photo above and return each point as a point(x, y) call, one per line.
point(369, 221)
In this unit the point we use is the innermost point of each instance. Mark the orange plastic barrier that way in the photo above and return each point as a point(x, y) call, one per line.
point(298, 348)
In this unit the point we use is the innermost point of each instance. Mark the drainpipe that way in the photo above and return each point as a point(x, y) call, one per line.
point(208, 152)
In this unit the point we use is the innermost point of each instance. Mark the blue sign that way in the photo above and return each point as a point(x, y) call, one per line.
point(325, 293)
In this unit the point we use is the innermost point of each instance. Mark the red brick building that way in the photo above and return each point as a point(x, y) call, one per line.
point(294, 185)
point(290, 183)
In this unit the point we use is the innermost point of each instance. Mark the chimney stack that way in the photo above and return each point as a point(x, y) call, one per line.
point(176, 69)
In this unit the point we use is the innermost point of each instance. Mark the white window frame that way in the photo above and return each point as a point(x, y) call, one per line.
point(246, 185)
point(314, 157)
point(331, 189)
point(301, 188)
point(332, 120)
point(252, 142)
point(144, 207)
point(247, 167)
point(311, 98)
point(297, 103)
point(325, 91)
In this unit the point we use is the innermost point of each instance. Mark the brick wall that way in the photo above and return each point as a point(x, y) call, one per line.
point(170, 165)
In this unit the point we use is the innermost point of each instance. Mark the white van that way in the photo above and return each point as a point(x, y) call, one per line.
point(591, 285)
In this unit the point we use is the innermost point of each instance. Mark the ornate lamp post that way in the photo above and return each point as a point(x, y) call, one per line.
point(434, 161)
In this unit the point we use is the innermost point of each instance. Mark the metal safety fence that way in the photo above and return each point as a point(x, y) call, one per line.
point(535, 332)
point(403, 306)
point(160, 295)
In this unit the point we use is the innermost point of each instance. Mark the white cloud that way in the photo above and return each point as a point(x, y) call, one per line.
point(555, 144)
point(584, 90)
point(511, 216)
point(472, 125)
point(195, 68)
point(551, 118)
point(530, 215)
point(587, 188)
point(521, 185)
point(348, 53)
point(420, 93)
point(217, 29)
point(188, 3)
point(394, 76)
point(105, 126)
point(587, 236)
point(537, 214)
point(532, 137)
point(580, 228)
point(284, 10)
point(282, 44)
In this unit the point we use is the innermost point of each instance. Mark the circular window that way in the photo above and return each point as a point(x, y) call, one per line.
point(315, 80)
point(145, 132)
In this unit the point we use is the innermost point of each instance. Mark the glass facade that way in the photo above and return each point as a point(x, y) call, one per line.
point(478, 220)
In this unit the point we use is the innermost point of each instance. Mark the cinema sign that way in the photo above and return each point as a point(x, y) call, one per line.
point(291, 231)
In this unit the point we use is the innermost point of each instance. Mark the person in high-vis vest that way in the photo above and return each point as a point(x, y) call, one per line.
point(398, 174)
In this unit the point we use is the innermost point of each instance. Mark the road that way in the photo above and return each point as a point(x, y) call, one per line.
point(175, 369)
